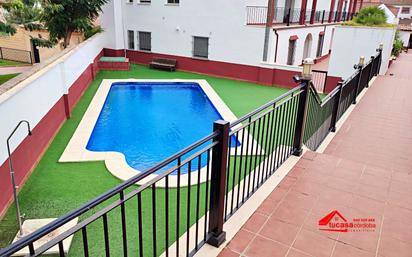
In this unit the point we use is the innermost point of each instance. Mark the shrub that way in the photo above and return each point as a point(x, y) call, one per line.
point(397, 45)
point(371, 16)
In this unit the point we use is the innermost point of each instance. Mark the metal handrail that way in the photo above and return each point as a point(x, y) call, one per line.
point(36, 235)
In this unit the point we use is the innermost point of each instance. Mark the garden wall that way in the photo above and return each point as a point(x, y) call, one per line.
point(44, 98)
point(349, 43)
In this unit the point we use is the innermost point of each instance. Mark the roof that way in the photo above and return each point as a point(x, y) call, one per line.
point(405, 24)
point(393, 9)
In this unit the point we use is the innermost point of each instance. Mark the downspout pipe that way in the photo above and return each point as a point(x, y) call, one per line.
point(269, 25)
point(276, 46)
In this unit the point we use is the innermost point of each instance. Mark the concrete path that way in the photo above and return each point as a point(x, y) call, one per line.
point(365, 174)
point(14, 69)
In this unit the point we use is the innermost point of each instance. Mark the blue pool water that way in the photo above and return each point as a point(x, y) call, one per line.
point(149, 122)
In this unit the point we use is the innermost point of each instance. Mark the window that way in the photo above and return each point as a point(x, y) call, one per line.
point(201, 47)
point(145, 41)
point(291, 52)
point(129, 1)
point(145, 1)
point(320, 45)
point(406, 10)
point(172, 1)
point(130, 39)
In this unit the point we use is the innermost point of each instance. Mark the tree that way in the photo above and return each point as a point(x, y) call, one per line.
point(63, 17)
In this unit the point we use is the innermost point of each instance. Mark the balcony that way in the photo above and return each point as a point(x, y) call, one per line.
point(257, 15)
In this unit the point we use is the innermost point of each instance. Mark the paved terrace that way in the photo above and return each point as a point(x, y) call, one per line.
point(365, 172)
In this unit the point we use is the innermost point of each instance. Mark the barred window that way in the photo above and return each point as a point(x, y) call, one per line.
point(145, 1)
point(201, 47)
point(172, 1)
point(291, 52)
point(145, 41)
point(405, 10)
point(130, 39)
point(320, 46)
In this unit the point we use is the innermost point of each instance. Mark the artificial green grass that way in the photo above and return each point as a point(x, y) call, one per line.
point(4, 62)
point(56, 188)
point(6, 77)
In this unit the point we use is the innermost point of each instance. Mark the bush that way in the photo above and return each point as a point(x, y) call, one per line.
point(371, 16)
point(397, 45)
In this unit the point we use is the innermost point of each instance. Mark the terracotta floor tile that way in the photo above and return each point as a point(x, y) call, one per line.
point(287, 182)
point(255, 222)
point(309, 155)
point(393, 212)
point(290, 214)
point(280, 231)
point(342, 184)
point(267, 207)
point(345, 250)
point(401, 187)
point(299, 200)
point(325, 206)
point(371, 192)
point(405, 177)
point(226, 252)
point(297, 253)
point(390, 247)
point(349, 165)
point(262, 247)
point(277, 194)
point(375, 181)
point(402, 200)
point(314, 244)
point(380, 172)
point(341, 197)
point(397, 229)
point(368, 205)
point(296, 172)
point(350, 175)
point(241, 241)
point(366, 241)
point(308, 187)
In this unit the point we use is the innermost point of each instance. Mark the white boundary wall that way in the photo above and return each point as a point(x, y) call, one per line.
point(349, 43)
point(33, 97)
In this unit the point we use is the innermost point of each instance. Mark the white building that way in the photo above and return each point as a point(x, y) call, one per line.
point(232, 38)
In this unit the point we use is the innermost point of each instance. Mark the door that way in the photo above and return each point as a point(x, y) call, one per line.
point(307, 47)
point(410, 41)
point(36, 53)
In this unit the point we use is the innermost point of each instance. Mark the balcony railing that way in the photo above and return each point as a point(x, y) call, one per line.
point(185, 206)
point(257, 15)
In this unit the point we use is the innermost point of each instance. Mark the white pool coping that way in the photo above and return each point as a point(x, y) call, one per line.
point(115, 162)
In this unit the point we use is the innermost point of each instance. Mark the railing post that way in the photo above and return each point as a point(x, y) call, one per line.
point(288, 20)
point(302, 111)
point(359, 67)
point(301, 119)
point(380, 49)
point(336, 108)
point(218, 184)
point(323, 16)
point(370, 70)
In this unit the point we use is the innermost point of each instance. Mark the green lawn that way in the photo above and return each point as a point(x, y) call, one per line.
point(7, 77)
point(56, 188)
point(4, 62)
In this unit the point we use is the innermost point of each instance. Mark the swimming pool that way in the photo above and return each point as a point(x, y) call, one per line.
point(131, 124)
point(148, 122)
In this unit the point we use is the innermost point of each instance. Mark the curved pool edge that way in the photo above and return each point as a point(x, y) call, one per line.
point(115, 162)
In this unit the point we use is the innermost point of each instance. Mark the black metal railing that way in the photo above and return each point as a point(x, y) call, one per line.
point(183, 202)
point(268, 136)
point(16, 55)
point(324, 113)
point(257, 15)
